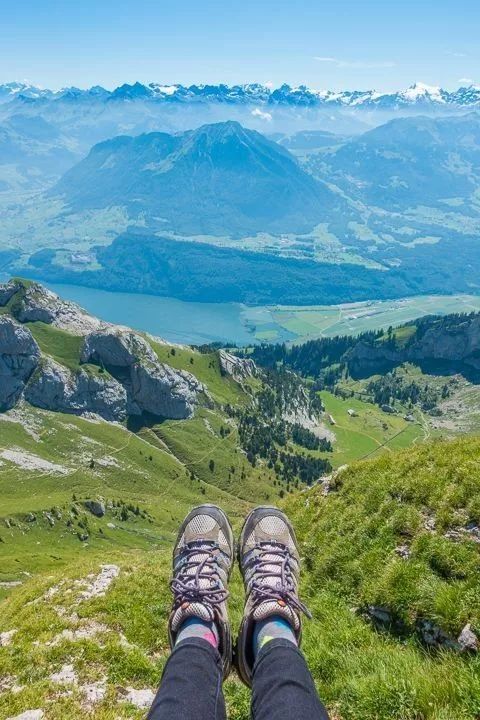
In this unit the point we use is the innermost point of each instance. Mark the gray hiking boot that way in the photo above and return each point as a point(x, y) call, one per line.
point(202, 562)
point(270, 565)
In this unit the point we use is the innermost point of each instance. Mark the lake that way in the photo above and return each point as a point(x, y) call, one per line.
point(177, 321)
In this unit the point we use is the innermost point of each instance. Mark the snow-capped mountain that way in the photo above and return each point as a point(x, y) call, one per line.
point(418, 95)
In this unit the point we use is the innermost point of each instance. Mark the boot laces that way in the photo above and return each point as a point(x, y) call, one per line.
point(197, 578)
point(274, 561)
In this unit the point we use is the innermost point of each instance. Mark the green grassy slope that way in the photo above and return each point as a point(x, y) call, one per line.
point(396, 533)
point(348, 540)
point(369, 433)
point(422, 500)
point(67, 460)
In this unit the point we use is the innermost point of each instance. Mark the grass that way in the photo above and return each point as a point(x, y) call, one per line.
point(205, 366)
point(198, 443)
point(347, 540)
point(58, 344)
point(425, 498)
point(89, 459)
point(371, 432)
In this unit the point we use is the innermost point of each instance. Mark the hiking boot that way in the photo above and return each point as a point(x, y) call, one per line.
point(202, 562)
point(270, 564)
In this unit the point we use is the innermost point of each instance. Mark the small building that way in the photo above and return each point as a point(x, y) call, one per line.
point(331, 420)
point(352, 412)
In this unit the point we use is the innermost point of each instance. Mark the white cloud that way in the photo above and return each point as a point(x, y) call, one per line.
point(466, 81)
point(269, 84)
point(359, 64)
point(262, 115)
point(455, 54)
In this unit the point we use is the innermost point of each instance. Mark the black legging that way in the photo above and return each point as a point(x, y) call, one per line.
point(191, 686)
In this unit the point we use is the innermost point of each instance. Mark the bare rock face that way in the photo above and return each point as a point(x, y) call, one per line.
point(364, 358)
point(54, 387)
point(238, 368)
point(96, 507)
point(7, 291)
point(37, 303)
point(163, 391)
point(151, 386)
point(116, 348)
point(136, 382)
point(458, 343)
point(19, 356)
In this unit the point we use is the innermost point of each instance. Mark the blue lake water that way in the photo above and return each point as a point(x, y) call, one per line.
point(175, 320)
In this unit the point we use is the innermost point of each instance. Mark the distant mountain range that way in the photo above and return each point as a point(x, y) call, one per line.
point(226, 180)
point(33, 152)
point(418, 95)
point(409, 162)
point(220, 179)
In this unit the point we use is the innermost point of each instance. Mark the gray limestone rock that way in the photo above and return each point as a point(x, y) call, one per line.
point(54, 387)
point(163, 391)
point(238, 368)
point(19, 356)
point(113, 347)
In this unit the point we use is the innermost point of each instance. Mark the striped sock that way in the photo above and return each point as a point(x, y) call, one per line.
point(270, 629)
point(195, 627)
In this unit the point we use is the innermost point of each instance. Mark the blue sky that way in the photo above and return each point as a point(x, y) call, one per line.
point(339, 45)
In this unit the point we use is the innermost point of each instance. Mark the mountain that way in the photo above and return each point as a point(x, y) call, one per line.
point(418, 94)
point(221, 179)
point(409, 162)
point(33, 153)
point(8, 91)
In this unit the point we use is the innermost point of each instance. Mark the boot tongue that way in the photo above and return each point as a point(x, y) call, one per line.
point(273, 579)
point(196, 609)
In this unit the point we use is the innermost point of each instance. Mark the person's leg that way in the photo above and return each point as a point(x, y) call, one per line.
point(191, 686)
point(198, 627)
point(268, 656)
point(283, 688)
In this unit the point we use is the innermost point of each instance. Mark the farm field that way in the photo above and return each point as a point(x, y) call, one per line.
point(269, 324)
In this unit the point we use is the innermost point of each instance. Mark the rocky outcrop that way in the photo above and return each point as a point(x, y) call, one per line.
point(54, 387)
point(136, 382)
point(456, 343)
point(467, 639)
point(366, 359)
point(151, 386)
point(19, 356)
point(33, 302)
point(116, 348)
point(163, 391)
point(96, 507)
point(7, 291)
point(238, 368)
